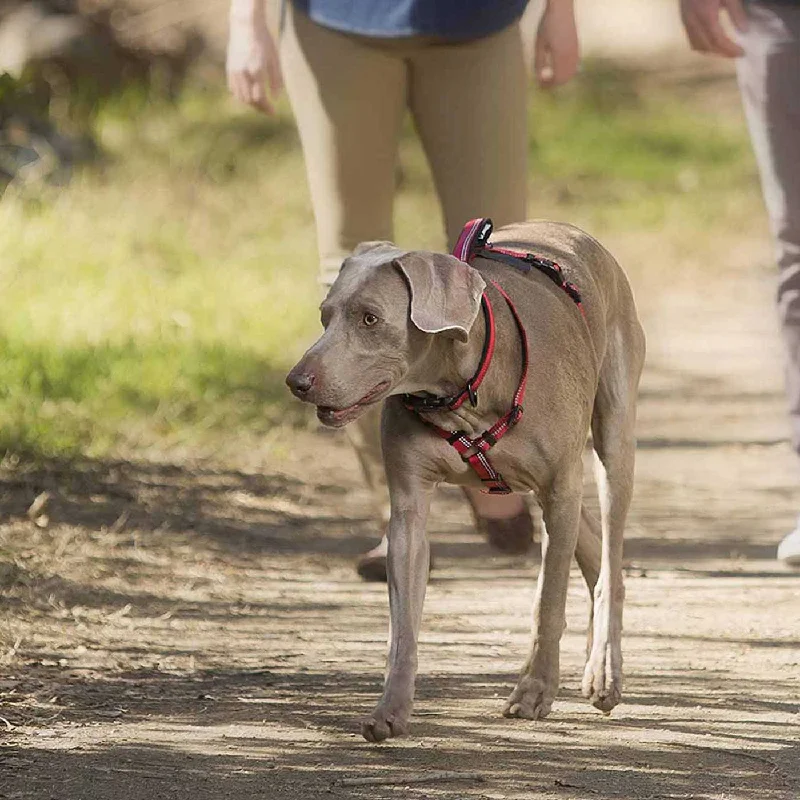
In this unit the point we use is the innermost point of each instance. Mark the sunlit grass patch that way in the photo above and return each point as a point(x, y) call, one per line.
point(62, 400)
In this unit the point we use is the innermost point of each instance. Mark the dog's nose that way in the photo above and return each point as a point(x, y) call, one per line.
point(300, 383)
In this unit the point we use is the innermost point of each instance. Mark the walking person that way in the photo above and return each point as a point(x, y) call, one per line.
point(767, 50)
point(351, 71)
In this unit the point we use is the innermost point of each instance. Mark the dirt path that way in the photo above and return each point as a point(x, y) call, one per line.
point(173, 630)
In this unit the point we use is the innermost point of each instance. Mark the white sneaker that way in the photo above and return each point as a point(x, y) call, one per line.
point(789, 548)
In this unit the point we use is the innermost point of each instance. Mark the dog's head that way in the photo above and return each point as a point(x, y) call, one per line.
point(381, 317)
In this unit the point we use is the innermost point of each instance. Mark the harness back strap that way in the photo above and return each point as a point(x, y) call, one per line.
point(474, 241)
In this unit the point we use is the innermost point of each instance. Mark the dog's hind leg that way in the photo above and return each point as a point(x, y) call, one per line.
point(536, 689)
point(613, 420)
point(588, 554)
point(588, 550)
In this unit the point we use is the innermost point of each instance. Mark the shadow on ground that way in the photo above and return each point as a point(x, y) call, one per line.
point(288, 731)
point(244, 513)
point(182, 631)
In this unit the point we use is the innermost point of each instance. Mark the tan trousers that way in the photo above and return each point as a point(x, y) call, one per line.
point(350, 94)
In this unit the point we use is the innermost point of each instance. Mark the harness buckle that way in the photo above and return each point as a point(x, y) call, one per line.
point(425, 403)
point(472, 394)
point(545, 262)
point(489, 438)
point(454, 437)
point(482, 236)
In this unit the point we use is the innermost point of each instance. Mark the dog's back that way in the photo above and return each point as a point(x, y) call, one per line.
point(606, 295)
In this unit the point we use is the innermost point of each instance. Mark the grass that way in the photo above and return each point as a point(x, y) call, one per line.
point(161, 295)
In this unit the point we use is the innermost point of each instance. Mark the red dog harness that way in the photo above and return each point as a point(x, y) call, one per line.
point(473, 242)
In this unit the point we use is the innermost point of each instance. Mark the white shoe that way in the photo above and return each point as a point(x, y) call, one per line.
point(789, 548)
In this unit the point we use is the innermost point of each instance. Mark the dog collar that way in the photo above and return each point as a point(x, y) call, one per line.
point(470, 391)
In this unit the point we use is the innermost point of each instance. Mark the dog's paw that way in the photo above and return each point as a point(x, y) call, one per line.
point(602, 679)
point(385, 723)
point(532, 698)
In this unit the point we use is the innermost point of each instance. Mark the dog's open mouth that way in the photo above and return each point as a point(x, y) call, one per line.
point(338, 417)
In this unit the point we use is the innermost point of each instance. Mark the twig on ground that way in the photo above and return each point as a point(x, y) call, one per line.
point(128, 771)
point(413, 777)
point(120, 522)
point(565, 785)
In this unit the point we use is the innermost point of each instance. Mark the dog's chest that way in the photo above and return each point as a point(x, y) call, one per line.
point(522, 465)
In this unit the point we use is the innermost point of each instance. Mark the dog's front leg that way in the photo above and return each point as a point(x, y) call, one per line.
point(538, 683)
point(407, 568)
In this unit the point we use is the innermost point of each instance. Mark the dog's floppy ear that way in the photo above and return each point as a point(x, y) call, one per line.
point(445, 292)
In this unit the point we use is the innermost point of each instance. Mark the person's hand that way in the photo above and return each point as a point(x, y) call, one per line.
point(253, 62)
point(701, 18)
point(557, 55)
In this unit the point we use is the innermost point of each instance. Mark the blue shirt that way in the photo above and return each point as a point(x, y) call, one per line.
point(449, 19)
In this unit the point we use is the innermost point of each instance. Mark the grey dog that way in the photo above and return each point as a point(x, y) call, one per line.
point(409, 323)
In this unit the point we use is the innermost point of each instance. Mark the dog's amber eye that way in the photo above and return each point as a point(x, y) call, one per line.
point(370, 319)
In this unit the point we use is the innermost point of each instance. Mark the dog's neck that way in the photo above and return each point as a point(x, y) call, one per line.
point(449, 364)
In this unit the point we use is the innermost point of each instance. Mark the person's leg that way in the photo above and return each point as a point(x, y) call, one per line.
point(348, 98)
point(769, 78)
point(469, 102)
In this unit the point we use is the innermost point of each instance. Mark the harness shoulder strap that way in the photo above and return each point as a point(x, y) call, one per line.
point(474, 241)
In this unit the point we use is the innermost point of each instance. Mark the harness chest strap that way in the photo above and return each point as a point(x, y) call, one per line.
point(474, 451)
point(472, 242)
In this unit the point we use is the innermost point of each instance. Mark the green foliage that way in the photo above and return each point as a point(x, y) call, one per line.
point(629, 149)
point(57, 401)
point(8, 88)
point(162, 295)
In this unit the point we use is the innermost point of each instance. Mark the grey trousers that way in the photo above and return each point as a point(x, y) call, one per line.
point(769, 79)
